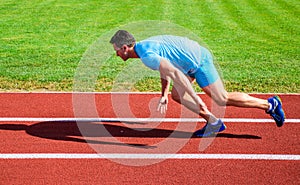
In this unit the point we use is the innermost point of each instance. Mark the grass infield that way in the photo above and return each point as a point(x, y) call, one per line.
point(255, 43)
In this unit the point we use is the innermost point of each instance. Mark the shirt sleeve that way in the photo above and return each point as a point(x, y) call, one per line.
point(151, 60)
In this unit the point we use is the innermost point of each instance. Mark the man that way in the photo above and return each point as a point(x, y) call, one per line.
point(183, 61)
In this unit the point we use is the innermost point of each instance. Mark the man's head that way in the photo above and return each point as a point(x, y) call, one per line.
point(122, 41)
point(122, 37)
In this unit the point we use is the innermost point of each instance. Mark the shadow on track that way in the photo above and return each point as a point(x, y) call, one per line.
point(69, 131)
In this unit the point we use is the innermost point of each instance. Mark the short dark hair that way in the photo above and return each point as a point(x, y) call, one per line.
point(122, 37)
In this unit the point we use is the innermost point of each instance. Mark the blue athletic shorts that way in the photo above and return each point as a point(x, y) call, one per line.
point(207, 73)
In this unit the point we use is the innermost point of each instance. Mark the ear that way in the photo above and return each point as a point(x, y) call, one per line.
point(125, 48)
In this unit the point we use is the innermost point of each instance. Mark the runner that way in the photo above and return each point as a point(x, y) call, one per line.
point(183, 61)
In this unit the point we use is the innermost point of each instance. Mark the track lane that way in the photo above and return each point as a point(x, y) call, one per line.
point(86, 171)
point(63, 137)
point(61, 105)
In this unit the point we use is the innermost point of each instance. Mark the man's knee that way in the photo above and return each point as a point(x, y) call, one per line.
point(221, 99)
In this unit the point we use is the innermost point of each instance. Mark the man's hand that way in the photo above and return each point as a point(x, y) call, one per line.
point(163, 104)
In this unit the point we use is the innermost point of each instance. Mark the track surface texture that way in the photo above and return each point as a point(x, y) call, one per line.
point(257, 135)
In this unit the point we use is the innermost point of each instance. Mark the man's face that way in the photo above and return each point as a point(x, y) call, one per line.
point(121, 52)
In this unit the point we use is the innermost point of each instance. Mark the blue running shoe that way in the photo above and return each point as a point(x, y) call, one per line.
point(209, 129)
point(276, 112)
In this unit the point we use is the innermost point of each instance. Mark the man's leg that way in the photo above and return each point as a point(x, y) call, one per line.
point(272, 106)
point(213, 124)
point(179, 95)
point(217, 92)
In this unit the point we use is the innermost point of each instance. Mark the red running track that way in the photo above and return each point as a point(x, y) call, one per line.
point(66, 137)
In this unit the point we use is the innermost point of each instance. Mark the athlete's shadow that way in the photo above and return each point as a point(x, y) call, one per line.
point(69, 131)
point(74, 132)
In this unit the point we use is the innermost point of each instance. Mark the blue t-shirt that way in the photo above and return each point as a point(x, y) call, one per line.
point(183, 53)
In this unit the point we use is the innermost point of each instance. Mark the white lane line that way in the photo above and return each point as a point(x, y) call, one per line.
point(130, 93)
point(229, 120)
point(148, 156)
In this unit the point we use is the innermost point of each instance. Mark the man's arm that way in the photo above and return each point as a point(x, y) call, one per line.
point(165, 85)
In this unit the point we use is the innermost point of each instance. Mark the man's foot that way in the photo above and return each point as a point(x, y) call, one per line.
point(276, 110)
point(210, 129)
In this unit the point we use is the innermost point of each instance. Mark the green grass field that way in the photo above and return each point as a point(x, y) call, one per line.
point(255, 43)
